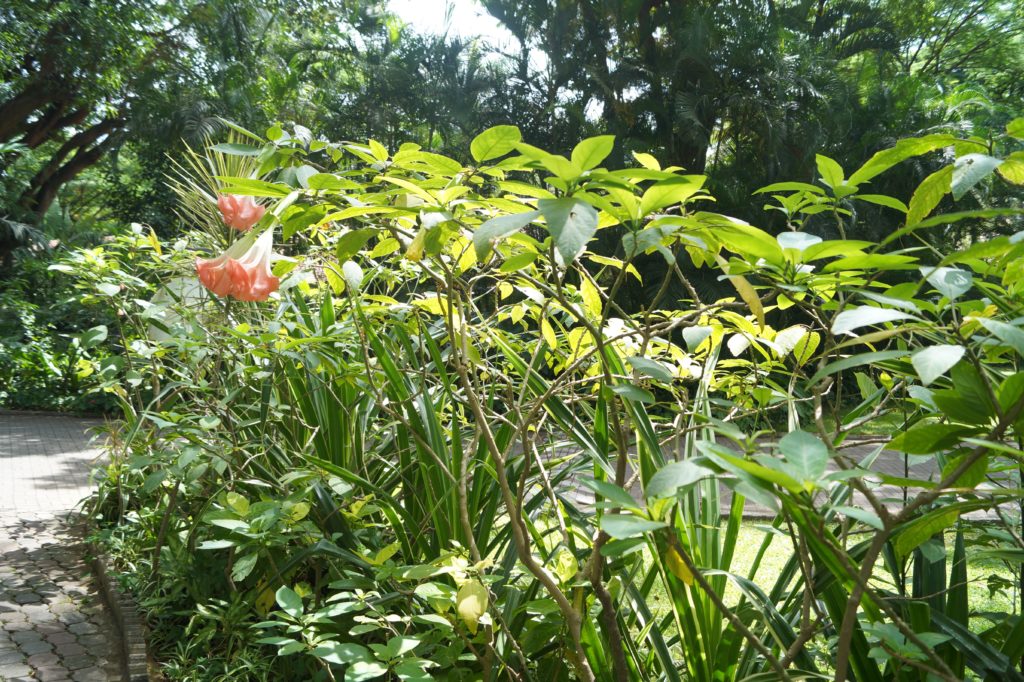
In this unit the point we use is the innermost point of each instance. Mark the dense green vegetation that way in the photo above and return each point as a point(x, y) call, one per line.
point(435, 359)
point(98, 98)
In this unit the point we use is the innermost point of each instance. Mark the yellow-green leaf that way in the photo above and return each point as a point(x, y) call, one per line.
point(679, 569)
point(471, 603)
point(929, 193)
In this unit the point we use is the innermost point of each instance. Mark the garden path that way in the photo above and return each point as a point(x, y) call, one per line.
point(53, 625)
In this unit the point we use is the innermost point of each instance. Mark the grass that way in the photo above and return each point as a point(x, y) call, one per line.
point(979, 571)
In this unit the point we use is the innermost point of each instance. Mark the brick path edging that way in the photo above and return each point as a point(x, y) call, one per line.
point(134, 633)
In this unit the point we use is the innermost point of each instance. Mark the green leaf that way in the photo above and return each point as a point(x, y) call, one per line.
point(1007, 333)
point(883, 200)
point(109, 288)
point(928, 194)
point(863, 515)
point(673, 477)
point(1012, 168)
point(950, 282)
point(611, 492)
point(694, 336)
point(471, 603)
point(797, 240)
point(865, 316)
point(969, 170)
point(519, 261)
point(243, 566)
point(807, 455)
point(633, 393)
point(353, 275)
point(923, 528)
point(932, 363)
point(254, 188)
point(647, 161)
point(926, 438)
point(571, 222)
point(340, 653)
point(494, 229)
point(623, 526)
point(790, 187)
point(237, 149)
point(351, 243)
point(93, 337)
point(289, 601)
point(670, 192)
point(362, 671)
point(830, 171)
point(652, 368)
point(856, 361)
point(904, 149)
point(1015, 128)
point(592, 151)
point(494, 142)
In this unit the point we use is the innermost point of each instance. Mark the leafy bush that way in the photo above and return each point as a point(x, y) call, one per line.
point(378, 473)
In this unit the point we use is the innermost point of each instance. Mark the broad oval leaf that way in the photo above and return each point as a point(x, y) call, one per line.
point(622, 526)
point(673, 477)
point(494, 229)
point(592, 151)
point(494, 142)
point(932, 363)
point(807, 455)
point(471, 603)
point(864, 316)
point(969, 170)
point(950, 282)
point(571, 222)
point(797, 240)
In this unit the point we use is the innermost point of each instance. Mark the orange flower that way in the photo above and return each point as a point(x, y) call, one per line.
point(243, 271)
point(239, 212)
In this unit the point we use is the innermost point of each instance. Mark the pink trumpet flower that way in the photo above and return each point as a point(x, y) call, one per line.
point(239, 212)
point(243, 271)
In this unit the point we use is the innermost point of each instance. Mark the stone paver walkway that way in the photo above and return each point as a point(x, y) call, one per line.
point(53, 625)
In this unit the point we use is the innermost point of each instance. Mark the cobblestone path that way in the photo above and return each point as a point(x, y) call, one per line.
point(53, 625)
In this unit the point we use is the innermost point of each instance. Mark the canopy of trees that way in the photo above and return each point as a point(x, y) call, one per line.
point(94, 95)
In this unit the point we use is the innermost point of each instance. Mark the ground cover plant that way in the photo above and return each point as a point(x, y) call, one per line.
point(386, 417)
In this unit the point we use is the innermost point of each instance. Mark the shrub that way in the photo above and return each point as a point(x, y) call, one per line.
point(378, 471)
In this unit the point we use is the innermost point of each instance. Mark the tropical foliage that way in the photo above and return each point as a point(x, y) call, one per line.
point(432, 445)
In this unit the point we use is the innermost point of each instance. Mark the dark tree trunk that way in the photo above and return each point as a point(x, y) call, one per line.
point(47, 183)
point(76, 142)
point(55, 120)
point(16, 111)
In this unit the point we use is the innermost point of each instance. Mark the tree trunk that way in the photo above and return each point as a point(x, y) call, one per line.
point(39, 198)
point(15, 111)
point(52, 123)
point(78, 141)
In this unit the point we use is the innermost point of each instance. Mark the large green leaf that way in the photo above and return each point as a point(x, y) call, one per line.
point(931, 363)
point(622, 526)
point(904, 149)
point(571, 222)
point(969, 170)
point(928, 194)
point(950, 282)
point(670, 192)
point(923, 528)
point(592, 151)
point(1009, 334)
point(494, 229)
point(673, 477)
point(865, 316)
point(806, 454)
point(494, 142)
